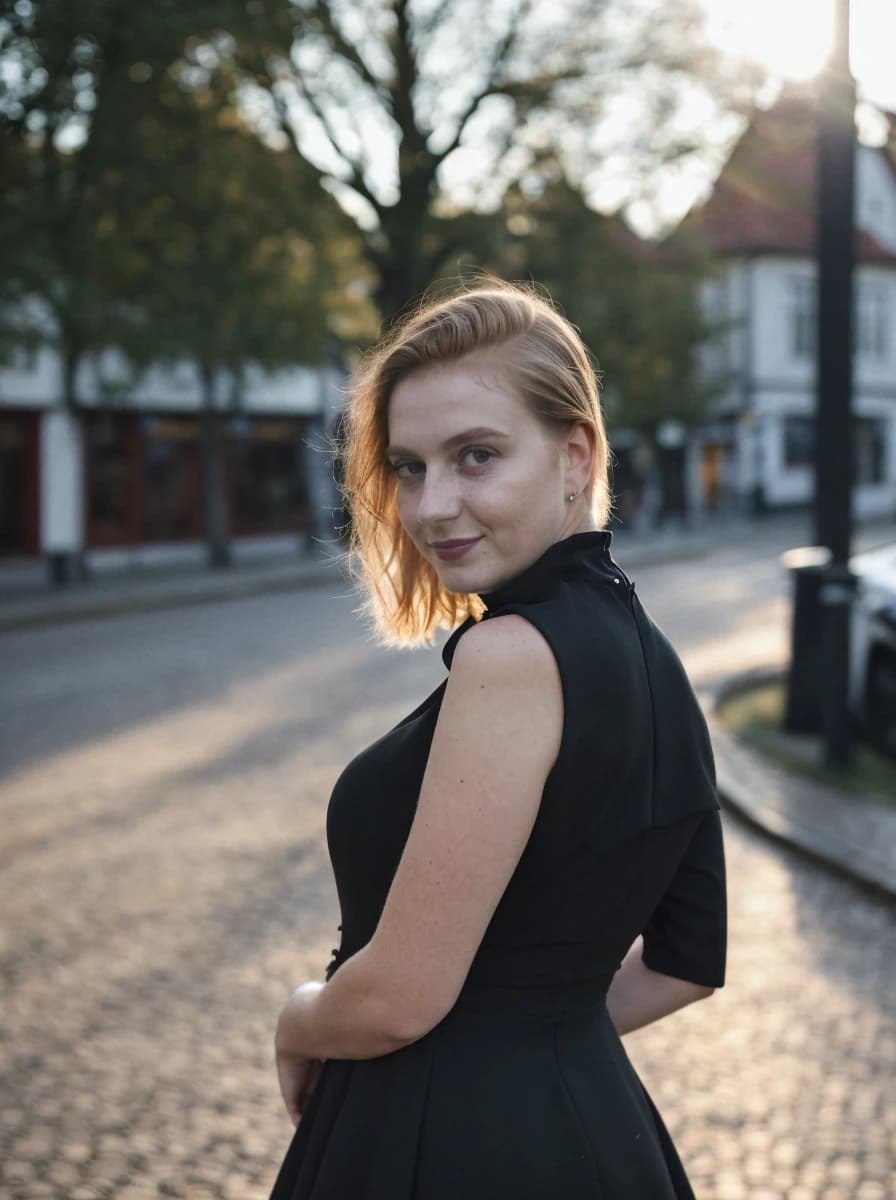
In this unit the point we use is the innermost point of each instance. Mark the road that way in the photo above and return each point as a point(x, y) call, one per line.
point(164, 882)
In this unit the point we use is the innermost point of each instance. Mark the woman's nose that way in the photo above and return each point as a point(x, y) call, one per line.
point(439, 497)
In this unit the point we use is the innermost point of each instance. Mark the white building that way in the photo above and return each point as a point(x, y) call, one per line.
point(119, 478)
point(759, 227)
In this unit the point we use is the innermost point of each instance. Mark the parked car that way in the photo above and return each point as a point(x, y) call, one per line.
point(872, 691)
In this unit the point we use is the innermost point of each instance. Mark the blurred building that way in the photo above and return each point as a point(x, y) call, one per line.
point(119, 478)
point(759, 226)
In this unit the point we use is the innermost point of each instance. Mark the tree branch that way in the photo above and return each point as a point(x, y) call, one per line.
point(401, 90)
point(491, 87)
point(505, 146)
point(322, 12)
point(355, 178)
point(428, 28)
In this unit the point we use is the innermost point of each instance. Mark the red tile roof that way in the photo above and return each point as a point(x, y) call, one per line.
point(764, 199)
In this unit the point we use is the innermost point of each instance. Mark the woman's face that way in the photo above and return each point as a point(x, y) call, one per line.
point(481, 482)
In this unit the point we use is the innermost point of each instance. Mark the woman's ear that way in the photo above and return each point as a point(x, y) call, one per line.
point(579, 450)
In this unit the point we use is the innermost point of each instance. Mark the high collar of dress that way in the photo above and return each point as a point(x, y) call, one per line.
point(579, 555)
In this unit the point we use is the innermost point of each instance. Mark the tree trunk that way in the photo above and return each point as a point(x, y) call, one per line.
point(71, 357)
point(402, 267)
point(399, 283)
point(214, 503)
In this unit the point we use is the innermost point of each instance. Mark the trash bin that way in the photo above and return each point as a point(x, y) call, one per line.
point(808, 565)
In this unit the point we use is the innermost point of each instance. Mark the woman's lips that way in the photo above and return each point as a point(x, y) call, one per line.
point(455, 549)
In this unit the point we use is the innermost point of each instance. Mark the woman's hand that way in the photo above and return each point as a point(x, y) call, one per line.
point(297, 1071)
point(297, 1078)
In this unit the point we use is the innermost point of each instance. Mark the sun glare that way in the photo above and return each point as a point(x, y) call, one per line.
point(790, 38)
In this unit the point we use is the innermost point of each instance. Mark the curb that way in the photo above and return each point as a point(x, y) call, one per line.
point(94, 607)
point(787, 825)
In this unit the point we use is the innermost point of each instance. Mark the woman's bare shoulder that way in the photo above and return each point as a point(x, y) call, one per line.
point(505, 645)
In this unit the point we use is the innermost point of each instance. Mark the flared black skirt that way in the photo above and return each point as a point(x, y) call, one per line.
point(501, 1101)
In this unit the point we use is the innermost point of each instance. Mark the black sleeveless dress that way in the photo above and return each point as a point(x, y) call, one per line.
point(524, 1091)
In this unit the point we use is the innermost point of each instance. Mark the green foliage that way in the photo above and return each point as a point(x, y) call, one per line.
point(756, 714)
point(74, 76)
point(139, 210)
point(236, 253)
point(636, 306)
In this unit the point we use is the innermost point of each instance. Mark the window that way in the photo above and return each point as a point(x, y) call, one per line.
point(872, 334)
point(12, 482)
point(869, 450)
point(872, 318)
point(799, 441)
point(270, 491)
point(802, 317)
point(869, 446)
point(111, 469)
point(171, 501)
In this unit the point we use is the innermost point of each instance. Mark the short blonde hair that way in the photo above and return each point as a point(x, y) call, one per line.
point(552, 372)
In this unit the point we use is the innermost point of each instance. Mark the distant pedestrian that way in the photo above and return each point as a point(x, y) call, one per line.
point(711, 476)
point(530, 864)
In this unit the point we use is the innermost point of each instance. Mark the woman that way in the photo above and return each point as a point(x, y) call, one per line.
point(530, 864)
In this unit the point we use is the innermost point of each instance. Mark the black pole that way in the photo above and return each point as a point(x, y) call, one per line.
point(834, 460)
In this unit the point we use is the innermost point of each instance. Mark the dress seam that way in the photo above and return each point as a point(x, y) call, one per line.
point(415, 1195)
point(649, 681)
point(578, 1116)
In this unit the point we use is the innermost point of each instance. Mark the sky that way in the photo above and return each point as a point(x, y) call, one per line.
point(793, 37)
point(789, 38)
point(792, 40)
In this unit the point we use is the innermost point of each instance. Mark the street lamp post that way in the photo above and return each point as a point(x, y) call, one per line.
point(834, 462)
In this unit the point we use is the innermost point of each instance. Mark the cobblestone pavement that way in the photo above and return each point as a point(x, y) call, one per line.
point(164, 882)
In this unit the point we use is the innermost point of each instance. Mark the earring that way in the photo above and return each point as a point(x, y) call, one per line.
point(571, 497)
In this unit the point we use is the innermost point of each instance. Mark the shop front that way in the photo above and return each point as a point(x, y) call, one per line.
point(267, 477)
point(144, 486)
point(19, 436)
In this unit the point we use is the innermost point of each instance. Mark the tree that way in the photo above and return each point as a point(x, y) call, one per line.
point(219, 268)
point(389, 96)
point(140, 213)
point(76, 77)
point(71, 75)
point(53, 79)
point(636, 303)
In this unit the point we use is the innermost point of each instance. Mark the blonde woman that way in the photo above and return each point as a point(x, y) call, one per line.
point(530, 864)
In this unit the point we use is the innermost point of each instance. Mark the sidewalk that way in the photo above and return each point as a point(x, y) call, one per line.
point(26, 600)
point(853, 835)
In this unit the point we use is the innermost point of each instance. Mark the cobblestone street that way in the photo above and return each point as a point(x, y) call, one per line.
point(164, 883)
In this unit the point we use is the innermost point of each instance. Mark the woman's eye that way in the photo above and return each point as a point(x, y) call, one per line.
point(407, 469)
point(477, 456)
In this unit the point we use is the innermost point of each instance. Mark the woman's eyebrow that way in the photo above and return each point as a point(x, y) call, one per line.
point(479, 433)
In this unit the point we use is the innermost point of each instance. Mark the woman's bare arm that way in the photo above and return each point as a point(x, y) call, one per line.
point(639, 995)
point(496, 739)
